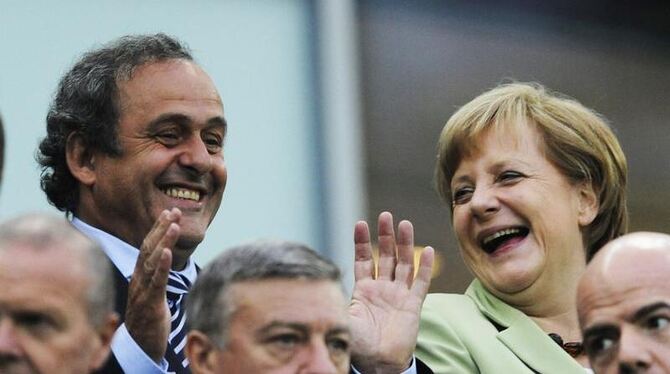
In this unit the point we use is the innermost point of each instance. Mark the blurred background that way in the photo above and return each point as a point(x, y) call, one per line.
point(335, 106)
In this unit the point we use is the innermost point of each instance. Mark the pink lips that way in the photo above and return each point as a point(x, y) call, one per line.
point(507, 246)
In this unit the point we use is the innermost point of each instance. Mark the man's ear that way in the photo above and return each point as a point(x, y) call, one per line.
point(105, 333)
point(80, 159)
point(589, 204)
point(201, 352)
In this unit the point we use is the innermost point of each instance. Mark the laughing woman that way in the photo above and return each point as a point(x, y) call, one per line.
point(536, 184)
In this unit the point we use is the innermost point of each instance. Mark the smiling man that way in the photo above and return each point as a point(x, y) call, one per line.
point(134, 153)
point(624, 305)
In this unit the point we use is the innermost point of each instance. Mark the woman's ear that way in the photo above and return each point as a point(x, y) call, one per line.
point(202, 354)
point(589, 204)
point(80, 159)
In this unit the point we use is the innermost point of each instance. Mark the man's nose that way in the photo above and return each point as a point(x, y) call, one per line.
point(318, 360)
point(9, 342)
point(634, 354)
point(195, 155)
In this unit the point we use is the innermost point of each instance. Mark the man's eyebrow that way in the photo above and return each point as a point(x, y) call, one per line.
point(649, 309)
point(183, 120)
point(282, 324)
point(177, 118)
point(339, 330)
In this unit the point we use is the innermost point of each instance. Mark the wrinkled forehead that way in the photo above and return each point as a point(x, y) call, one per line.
point(271, 299)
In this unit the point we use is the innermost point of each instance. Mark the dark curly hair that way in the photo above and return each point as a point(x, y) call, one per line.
point(86, 102)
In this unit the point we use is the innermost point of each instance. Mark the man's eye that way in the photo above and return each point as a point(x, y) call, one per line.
point(34, 322)
point(658, 322)
point(168, 138)
point(462, 195)
point(285, 341)
point(598, 345)
point(339, 344)
point(214, 143)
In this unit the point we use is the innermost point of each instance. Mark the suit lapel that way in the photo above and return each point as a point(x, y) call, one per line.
point(532, 345)
point(522, 336)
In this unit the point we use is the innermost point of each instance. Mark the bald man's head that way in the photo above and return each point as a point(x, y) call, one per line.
point(623, 301)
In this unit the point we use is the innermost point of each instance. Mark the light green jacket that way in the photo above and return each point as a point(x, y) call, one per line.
point(479, 333)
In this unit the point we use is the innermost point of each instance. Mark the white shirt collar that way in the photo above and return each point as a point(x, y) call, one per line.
point(122, 254)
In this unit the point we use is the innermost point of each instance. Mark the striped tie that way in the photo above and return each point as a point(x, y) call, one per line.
point(177, 288)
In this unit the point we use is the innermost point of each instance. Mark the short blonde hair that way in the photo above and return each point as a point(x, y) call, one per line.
point(577, 140)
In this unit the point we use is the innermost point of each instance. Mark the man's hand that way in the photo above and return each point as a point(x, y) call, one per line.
point(385, 309)
point(147, 315)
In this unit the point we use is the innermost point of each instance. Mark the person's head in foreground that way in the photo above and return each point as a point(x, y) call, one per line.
point(536, 183)
point(268, 307)
point(56, 298)
point(624, 305)
point(136, 127)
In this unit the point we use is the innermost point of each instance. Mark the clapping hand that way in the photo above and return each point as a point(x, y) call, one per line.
point(147, 314)
point(386, 304)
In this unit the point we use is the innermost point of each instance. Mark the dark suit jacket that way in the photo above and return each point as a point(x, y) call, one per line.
point(121, 285)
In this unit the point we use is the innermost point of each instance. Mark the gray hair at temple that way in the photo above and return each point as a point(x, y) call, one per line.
point(209, 308)
point(41, 232)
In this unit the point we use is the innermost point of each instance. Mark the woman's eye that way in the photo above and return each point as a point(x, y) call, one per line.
point(462, 195)
point(509, 176)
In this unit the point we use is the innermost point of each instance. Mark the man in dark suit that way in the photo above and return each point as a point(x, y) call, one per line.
point(134, 154)
point(56, 298)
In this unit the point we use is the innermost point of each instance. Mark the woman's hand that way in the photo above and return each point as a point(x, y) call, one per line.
point(385, 307)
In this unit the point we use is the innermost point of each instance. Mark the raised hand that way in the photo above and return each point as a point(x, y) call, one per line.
point(147, 314)
point(386, 305)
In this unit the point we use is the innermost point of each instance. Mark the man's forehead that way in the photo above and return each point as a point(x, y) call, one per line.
point(288, 299)
point(622, 298)
point(163, 76)
point(52, 264)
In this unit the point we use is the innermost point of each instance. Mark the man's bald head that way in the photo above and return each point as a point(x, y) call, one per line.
point(623, 302)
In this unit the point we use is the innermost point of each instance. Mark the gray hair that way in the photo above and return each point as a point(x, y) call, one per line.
point(209, 309)
point(42, 231)
point(86, 103)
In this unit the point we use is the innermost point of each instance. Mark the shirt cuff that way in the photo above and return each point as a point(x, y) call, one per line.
point(131, 357)
point(410, 370)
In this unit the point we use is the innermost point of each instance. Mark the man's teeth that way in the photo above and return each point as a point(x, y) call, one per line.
point(500, 233)
point(182, 193)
